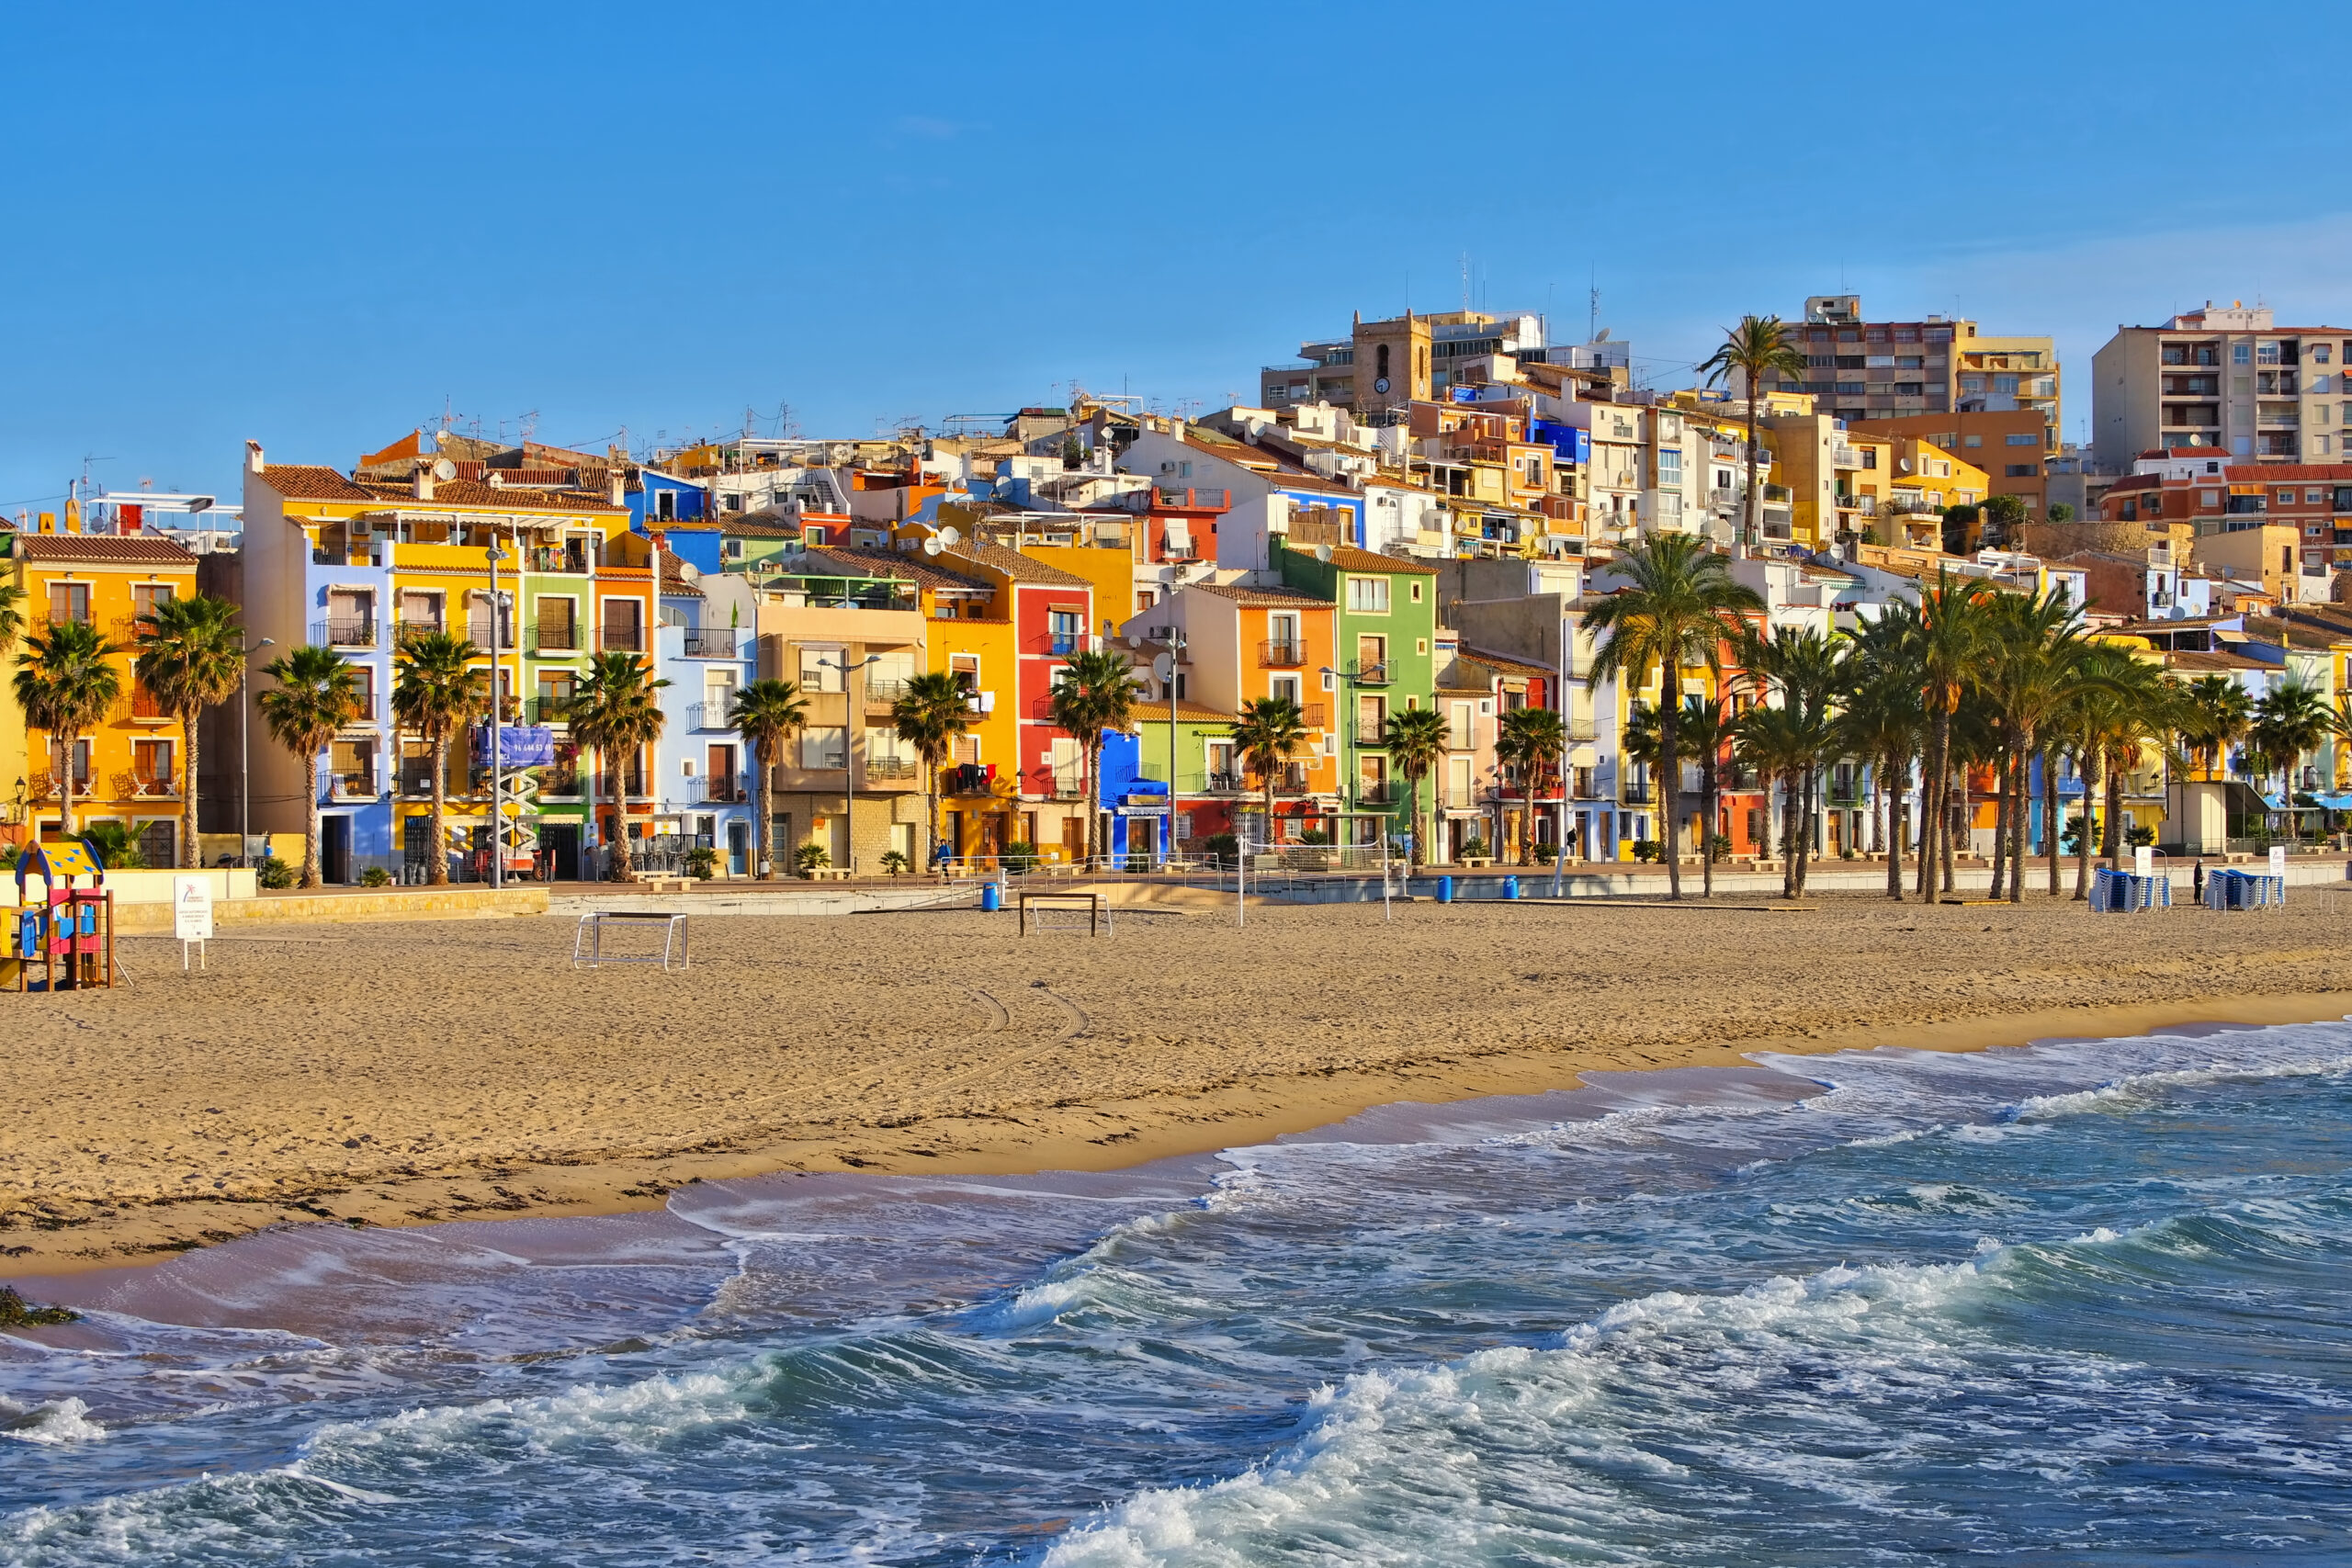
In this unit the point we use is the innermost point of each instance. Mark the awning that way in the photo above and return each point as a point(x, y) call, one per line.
point(2335, 802)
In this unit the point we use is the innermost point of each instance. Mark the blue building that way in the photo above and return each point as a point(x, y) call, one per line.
point(706, 648)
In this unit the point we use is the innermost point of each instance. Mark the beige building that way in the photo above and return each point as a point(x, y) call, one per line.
point(2230, 378)
point(1860, 369)
point(1395, 363)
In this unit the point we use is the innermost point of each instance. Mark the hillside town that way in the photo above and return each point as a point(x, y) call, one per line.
point(1376, 610)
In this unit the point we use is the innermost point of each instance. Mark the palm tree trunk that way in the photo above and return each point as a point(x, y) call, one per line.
point(764, 851)
point(310, 822)
point(1710, 793)
point(1888, 787)
point(65, 785)
point(1809, 810)
point(2112, 845)
point(1754, 529)
point(436, 838)
point(1955, 823)
point(191, 852)
point(588, 776)
point(2022, 792)
point(2000, 821)
point(1413, 810)
point(1931, 780)
point(2083, 835)
point(1791, 828)
point(931, 814)
point(1670, 767)
point(622, 870)
point(2050, 814)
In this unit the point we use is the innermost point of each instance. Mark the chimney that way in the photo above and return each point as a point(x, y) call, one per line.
point(616, 488)
point(419, 479)
point(491, 477)
point(254, 464)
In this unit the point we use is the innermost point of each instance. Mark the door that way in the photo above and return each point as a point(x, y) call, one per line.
point(561, 842)
point(1074, 838)
point(738, 848)
point(335, 849)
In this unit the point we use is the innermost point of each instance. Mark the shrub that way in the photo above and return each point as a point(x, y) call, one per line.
point(702, 861)
point(895, 861)
point(1475, 848)
point(1648, 850)
point(811, 857)
point(1719, 848)
point(117, 848)
point(1018, 855)
point(1315, 836)
point(2139, 834)
point(274, 872)
point(1221, 846)
point(375, 876)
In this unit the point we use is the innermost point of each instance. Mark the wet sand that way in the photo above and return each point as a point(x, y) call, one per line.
point(405, 1073)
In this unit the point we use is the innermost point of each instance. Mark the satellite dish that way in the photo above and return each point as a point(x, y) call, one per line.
point(1163, 668)
point(949, 536)
point(443, 469)
point(1323, 552)
point(932, 547)
point(1600, 336)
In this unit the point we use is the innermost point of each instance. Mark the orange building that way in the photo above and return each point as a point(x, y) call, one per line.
point(128, 767)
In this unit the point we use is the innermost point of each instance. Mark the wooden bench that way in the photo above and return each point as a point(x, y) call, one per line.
point(663, 884)
point(826, 873)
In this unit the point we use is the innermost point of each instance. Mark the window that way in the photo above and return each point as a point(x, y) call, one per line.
point(1853, 362)
point(2240, 354)
point(1459, 732)
point(2021, 470)
point(69, 602)
point(151, 767)
point(824, 746)
point(1368, 594)
point(2314, 498)
point(159, 841)
point(421, 612)
point(717, 695)
point(820, 669)
point(2286, 498)
point(1972, 383)
point(665, 505)
point(1971, 441)
point(363, 686)
point(1909, 362)
point(1284, 689)
point(145, 596)
point(1910, 389)
point(1219, 757)
point(2005, 386)
point(555, 694)
point(1064, 631)
point(2320, 353)
point(2268, 354)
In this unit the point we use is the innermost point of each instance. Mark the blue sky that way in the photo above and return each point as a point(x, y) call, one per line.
point(319, 225)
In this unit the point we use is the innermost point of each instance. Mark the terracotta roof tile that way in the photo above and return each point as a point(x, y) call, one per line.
point(912, 566)
point(311, 481)
point(1016, 566)
point(1505, 663)
point(1243, 593)
point(1347, 558)
point(103, 549)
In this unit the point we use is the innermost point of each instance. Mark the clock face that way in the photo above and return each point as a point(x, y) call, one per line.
point(1381, 385)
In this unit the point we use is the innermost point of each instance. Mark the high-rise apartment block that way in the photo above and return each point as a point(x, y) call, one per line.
point(1390, 365)
point(1861, 370)
point(2227, 378)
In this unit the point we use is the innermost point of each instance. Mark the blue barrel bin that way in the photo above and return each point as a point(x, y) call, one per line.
point(991, 898)
point(1511, 887)
point(1445, 890)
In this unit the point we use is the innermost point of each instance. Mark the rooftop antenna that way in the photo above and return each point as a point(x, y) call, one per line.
point(1592, 309)
point(529, 423)
point(1465, 280)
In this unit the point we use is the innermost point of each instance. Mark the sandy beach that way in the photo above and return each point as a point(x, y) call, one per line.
point(404, 1074)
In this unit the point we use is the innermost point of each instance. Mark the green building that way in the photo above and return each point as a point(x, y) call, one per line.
point(1385, 633)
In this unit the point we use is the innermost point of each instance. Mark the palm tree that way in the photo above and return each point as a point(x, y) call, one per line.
point(615, 713)
point(1265, 734)
point(2215, 719)
point(768, 713)
point(66, 682)
point(1796, 734)
point(317, 694)
point(1683, 606)
point(1416, 738)
point(2033, 643)
point(2288, 722)
point(12, 613)
point(436, 691)
point(932, 711)
point(1530, 742)
point(1097, 693)
point(1950, 636)
point(1758, 346)
point(191, 655)
point(1883, 718)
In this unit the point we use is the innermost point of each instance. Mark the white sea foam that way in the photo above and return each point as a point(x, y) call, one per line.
point(66, 1421)
point(2136, 1089)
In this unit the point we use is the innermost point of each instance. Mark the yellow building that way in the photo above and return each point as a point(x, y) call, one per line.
point(1926, 479)
point(1832, 480)
point(126, 768)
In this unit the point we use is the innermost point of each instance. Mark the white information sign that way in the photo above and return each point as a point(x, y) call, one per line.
point(192, 909)
point(2278, 860)
point(2143, 861)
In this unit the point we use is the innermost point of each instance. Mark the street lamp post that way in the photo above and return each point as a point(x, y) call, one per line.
point(497, 553)
point(849, 752)
point(1175, 645)
point(245, 756)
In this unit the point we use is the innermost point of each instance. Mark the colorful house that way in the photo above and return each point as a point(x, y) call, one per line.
point(537, 576)
point(128, 767)
point(1384, 635)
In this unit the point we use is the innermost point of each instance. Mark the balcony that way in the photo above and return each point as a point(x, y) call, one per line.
point(1379, 673)
point(705, 642)
point(882, 691)
point(1311, 716)
point(1638, 794)
point(1282, 654)
point(555, 636)
point(1225, 783)
point(146, 709)
point(1371, 732)
point(344, 633)
point(569, 558)
point(891, 769)
point(1193, 500)
point(1379, 792)
point(621, 639)
point(150, 786)
point(559, 779)
point(355, 783)
point(707, 715)
point(722, 789)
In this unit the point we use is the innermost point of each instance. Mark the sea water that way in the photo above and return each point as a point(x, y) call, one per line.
point(2075, 1303)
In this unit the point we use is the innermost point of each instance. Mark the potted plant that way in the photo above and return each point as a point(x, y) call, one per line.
point(702, 862)
point(1474, 851)
point(895, 863)
point(810, 859)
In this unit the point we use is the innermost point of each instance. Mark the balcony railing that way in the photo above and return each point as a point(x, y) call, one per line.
point(1371, 732)
point(891, 768)
point(1379, 792)
point(1375, 673)
point(705, 642)
point(154, 786)
point(1643, 793)
point(356, 783)
point(147, 709)
point(881, 692)
point(723, 789)
point(1226, 783)
point(335, 632)
point(1282, 654)
point(621, 639)
point(707, 715)
point(572, 559)
point(550, 636)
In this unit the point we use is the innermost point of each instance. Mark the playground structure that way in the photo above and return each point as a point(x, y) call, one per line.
point(72, 927)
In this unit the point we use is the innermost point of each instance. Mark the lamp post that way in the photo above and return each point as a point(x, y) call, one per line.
point(497, 553)
point(1175, 643)
point(245, 756)
point(1340, 727)
point(849, 752)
